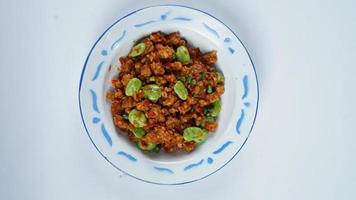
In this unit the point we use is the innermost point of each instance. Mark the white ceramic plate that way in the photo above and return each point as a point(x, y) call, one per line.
point(239, 102)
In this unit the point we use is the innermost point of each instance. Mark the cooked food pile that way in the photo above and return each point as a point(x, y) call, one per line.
point(167, 94)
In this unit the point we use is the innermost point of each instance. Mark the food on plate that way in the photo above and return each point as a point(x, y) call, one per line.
point(167, 94)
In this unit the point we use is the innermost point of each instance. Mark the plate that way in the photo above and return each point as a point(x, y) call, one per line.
point(239, 102)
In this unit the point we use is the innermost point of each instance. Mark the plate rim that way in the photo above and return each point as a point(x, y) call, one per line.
point(85, 65)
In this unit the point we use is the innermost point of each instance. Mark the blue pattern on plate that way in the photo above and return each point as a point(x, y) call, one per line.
point(182, 19)
point(164, 16)
point(96, 120)
point(145, 23)
point(193, 165)
point(163, 169)
point(94, 101)
point(247, 104)
point(114, 45)
point(231, 50)
point(104, 52)
point(239, 122)
point(106, 134)
point(128, 156)
point(97, 72)
point(211, 30)
point(210, 161)
point(245, 84)
point(227, 40)
point(226, 144)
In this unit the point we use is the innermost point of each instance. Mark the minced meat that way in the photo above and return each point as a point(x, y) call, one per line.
point(165, 115)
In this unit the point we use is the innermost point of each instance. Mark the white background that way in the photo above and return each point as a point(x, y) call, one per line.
point(303, 144)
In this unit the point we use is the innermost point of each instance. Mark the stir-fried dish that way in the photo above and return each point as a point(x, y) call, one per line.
point(167, 94)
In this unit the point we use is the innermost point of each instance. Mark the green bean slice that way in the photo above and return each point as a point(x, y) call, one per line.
point(220, 77)
point(151, 79)
point(206, 111)
point(182, 78)
point(149, 147)
point(181, 90)
point(207, 119)
point(209, 89)
point(182, 55)
point(137, 50)
point(202, 75)
point(152, 92)
point(137, 118)
point(190, 79)
point(195, 134)
point(139, 132)
point(216, 108)
point(210, 119)
point(133, 86)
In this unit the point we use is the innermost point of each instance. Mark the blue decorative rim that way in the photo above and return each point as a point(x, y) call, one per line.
point(81, 80)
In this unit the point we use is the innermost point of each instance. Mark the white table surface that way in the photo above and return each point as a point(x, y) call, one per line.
point(303, 144)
